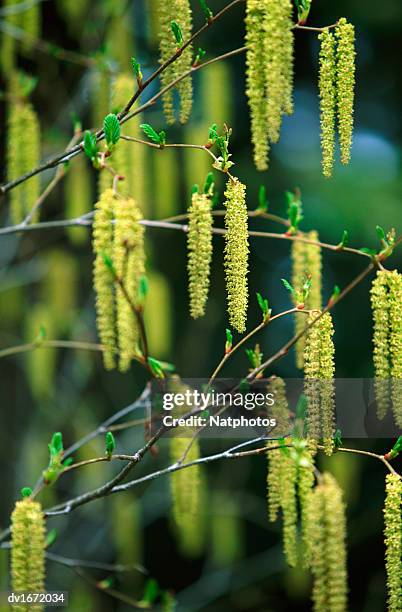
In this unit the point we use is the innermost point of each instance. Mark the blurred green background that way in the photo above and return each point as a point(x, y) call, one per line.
point(45, 279)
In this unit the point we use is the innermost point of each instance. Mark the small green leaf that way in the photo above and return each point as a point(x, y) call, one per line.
point(151, 592)
point(111, 127)
point(370, 252)
point(206, 10)
point(137, 70)
point(201, 53)
point(344, 240)
point(178, 34)
point(381, 234)
point(212, 133)
point(150, 132)
point(303, 10)
point(26, 491)
point(110, 443)
point(262, 199)
point(156, 367)
point(195, 189)
point(162, 138)
point(396, 449)
point(90, 145)
point(287, 285)
point(56, 444)
point(264, 305)
point(209, 183)
point(67, 462)
point(338, 439)
point(229, 341)
point(51, 537)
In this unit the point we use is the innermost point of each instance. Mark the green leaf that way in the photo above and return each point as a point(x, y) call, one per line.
point(344, 240)
point(206, 10)
point(201, 53)
point(229, 341)
point(151, 592)
point(262, 199)
point(110, 443)
point(156, 367)
point(56, 444)
point(26, 491)
point(90, 145)
point(69, 461)
point(303, 10)
point(294, 214)
point(396, 449)
point(212, 133)
point(195, 189)
point(178, 34)
point(51, 537)
point(264, 305)
point(150, 132)
point(370, 252)
point(287, 285)
point(111, 127)
point(338, 439)
point(381, 234)
point(162, 138)
point(137, 69)
point(209, 183)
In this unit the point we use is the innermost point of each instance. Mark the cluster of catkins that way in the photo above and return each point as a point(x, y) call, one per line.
point(319, 510)
point(393, 540)
point(178, 11)
point(336, 86)
point(28, 22)
point(199, 247)
point(386, 301)
point(28, 549)
point(269, 88)
point(117, 239)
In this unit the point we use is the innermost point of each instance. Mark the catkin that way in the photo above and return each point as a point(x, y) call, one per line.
point(128, 261)
point(255, 81)
point(306, 262)
point(319, 372)
point(199, 249)
point(278, 63)
point(289, 508)
point(179, 11)
point(31, 24)
point(305, 483)
point(23, 154)
point(78, 196)
point(103, 279)
point(386, 299)
point(279, 411)
point(345, 85)
point(393, 541)
point(327, 542)
point(28, 550)
point(327, 89)
point(236, 253)
point(186, 490)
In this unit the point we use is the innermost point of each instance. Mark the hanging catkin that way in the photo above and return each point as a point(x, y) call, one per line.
point(306, 263)
point(23, 153)
point(327, 542)
point(278, 63)
point(386, 299)
point(28, 550)
point(103, 279)
point(128, 261)
point(327, 89)
point(186, 490)
point(393, 541)
point(255, 83)
point(179, 11)
point(319, 370)
point(31, 24)
point(236, 253)
point(8, 46)
point(78, 196)
point(305, 483)
point(345, 85)
point(199, 249)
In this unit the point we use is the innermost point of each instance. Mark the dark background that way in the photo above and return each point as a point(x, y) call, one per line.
point(77, 393)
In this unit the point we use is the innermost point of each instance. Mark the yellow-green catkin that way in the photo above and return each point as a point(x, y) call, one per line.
point(305, 483)
point(319, 370)
point(31, 24)
point(78, 197)
point(129, 263)
point(278, 64)
point(23, 154)
point(345, 85)
point(288, 492)
point(199, 250)
point(59, 288)
point(103, 279)
point(28, 550)
point(393, 541)
point(227, 537)
point(327, 542)
point(166, 201)
point(186, 491)
point(395, 343)
point(129, 159)
point(381, 350)
point(179, 11)
point(42, 362)
point(280, 411)
point(236, 253)
point(306, 262)
point(8, 48)
point(255, 81)
point(327, 89)
point(158, 315)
